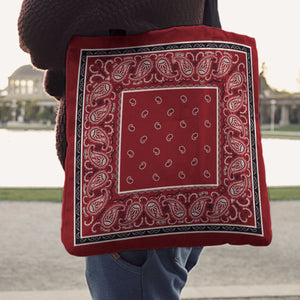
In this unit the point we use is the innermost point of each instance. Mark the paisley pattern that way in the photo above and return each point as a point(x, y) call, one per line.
point(165, 143)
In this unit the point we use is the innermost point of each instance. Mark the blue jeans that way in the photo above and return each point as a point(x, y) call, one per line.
point(153, 274)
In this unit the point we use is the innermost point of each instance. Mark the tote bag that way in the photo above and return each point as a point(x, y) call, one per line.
point(164, 145)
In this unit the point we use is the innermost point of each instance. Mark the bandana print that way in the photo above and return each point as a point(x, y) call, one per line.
point(163, 143)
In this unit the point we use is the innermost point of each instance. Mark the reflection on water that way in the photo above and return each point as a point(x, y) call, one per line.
point(28, 159)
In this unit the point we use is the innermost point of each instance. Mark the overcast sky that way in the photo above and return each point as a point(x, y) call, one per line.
point(274, 24)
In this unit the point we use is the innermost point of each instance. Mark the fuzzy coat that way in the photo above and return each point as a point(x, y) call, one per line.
point(46, 26)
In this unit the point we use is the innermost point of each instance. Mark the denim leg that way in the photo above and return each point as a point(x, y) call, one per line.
point(140, 274)
point(165, 273)
point(112, 278)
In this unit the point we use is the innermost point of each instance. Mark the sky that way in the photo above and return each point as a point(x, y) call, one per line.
point(273, 23)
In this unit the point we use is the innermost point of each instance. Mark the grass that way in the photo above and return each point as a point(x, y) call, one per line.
point(291, 131)
point(55, 194)
point(291, 127)
point(284, 193)
point(31, 194)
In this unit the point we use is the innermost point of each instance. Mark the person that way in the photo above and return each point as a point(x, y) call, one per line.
point(45, 28)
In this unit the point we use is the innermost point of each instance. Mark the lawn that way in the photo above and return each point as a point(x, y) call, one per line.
point(31, 194)
point(55, 194)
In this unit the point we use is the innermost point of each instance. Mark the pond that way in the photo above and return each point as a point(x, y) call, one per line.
point(28, 159)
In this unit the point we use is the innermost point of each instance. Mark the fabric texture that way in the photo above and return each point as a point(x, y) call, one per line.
point(151, 274)
point(164, 144)
point(45, 29)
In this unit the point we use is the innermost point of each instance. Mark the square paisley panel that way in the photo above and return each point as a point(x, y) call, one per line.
point(164, 146)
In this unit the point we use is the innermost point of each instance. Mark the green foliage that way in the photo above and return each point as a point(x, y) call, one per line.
point(31, 194)
point(55, 194)
point(31, 111)
point(284, 193)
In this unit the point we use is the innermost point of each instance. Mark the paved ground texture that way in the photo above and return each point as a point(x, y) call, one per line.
point(34, 264)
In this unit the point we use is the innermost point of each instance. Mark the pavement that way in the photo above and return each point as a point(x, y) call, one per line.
point(40, 269)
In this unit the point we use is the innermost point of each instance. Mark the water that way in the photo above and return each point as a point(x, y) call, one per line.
point(28, 159)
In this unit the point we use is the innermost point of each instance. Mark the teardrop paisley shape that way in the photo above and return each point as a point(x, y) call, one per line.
point(98, 159)
point(99, 136)
point(121, 71)
point(236, 123)
point(132, 214)
point(234, 81)
point(224, 66)
point(164, 67)
point(204, 66)
point(186, 67)
point(99, 114)
point(110, 216)
point(154, 210)
point(177, 210)
point(100, 91)
point(197, 208)
point(235, 103)
point(236, 145)
point(237, 166)
point(143, 69)
point(97, 181)
point(220, 207)
point(237, 188)
point(95, 206)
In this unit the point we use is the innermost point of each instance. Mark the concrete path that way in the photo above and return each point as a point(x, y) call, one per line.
point(35, 266)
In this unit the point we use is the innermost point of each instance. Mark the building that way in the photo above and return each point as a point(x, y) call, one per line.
point(26, 85)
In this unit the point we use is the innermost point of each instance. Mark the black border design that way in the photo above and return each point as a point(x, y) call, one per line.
point(247, 230)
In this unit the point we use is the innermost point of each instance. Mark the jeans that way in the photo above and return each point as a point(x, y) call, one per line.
point(153, 274)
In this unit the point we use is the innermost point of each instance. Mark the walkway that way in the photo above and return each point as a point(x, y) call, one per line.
point(35, 266)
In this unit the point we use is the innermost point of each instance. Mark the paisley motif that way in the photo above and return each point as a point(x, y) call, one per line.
point(132, 214)
point(237, 166)
point(153, 209)
point(237, 188)
point(168, 163)
point(183, 124)
point(156, 151)
point(164, 67)
point(195, 111)
point(99, 136)
point(157, 125)
point(143, 69)
point(170, 112)
point(142, 165)
point(236, 145)
point(181, 175)
point(169, 137)
point(197, 208)
point(177, 210)
point(186, 67)
point(121, 71)
point(194, 161)
point(220, 207)
point(234, 81)
point(224, 66)
point(144, 113)
point(95, 206)
point(204, 66)
point(155, 177)
point(100, 91)
point(158, 100)
point(99, 114)
point(111, 215)
point(98, 180)
point(235, 103)
point(99, 160)
point(236, 123)
point(195, 136)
